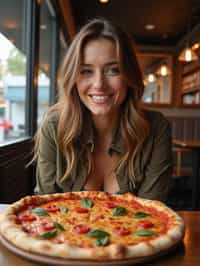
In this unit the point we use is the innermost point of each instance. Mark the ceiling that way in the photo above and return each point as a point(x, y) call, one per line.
point(173, 19)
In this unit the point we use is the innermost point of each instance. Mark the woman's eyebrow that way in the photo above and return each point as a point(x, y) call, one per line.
point(86, 65)
point(107, 64)
point(112, 63)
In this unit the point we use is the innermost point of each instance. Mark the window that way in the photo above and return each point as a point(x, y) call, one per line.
point(45, 59)
point(18, 60)
point(12, 69)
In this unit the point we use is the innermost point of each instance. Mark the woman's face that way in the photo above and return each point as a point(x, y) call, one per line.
point(100, 84)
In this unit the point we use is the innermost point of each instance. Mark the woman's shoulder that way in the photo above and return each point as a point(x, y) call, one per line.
point(51, 118)
point(156, 119)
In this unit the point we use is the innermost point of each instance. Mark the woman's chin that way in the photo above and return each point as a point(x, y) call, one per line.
point(102, 113)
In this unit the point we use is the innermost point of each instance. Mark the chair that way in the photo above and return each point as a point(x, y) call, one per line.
point(179, 170)
point(180, 193)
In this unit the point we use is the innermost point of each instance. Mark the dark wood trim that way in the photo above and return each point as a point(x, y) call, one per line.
point(33, 31)
point(66, 11)
point(178, 77)
point(14, 145)
point(173, 84)
point(54, 60)
point(158, 105)
point(17, 175)
point(153, 53)
point(190, 105)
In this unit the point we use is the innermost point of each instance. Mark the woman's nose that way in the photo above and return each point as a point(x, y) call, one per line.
point(99, 81)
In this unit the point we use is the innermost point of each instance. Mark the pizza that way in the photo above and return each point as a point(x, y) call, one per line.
point(91, 225)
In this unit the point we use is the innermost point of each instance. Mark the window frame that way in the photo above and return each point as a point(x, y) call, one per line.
point(32, 18)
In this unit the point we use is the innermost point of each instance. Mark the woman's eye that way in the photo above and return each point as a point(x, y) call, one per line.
point(86, 72)
point(112, 71)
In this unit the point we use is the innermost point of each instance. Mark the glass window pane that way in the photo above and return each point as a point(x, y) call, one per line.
point(12, 69)
point(45, 57)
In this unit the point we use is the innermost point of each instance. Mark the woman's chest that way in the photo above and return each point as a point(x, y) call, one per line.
point(103, 174)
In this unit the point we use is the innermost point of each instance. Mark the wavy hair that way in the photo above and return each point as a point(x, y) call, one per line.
point(73, 116)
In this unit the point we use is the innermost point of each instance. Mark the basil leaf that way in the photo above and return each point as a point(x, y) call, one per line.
point(87, 203)
point(101, 241)
point(59, 226)
point(145, 232)
point(97, 233)
point(49, 234)
point(40, 211)
point(141, 215)
point(119, 211)
point(63, 209)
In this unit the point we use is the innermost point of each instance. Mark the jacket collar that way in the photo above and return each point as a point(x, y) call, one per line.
point(117, 145)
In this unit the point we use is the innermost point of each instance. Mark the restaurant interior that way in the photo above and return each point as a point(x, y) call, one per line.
point(166, 35)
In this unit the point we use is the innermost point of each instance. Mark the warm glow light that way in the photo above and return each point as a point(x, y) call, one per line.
point(145, 82)
point(187, 55)
point(164, 70)
point(151, 78)
point(195, 46)
point(103, 1)
point(149, 27)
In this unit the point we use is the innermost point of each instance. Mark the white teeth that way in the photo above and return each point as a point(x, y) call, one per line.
point(98, 97)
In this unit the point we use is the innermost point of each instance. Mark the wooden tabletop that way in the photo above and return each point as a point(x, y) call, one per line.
point(187, 143)
point(187, 254)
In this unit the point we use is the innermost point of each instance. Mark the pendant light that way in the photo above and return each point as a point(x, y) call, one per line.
point(151, 77)
point(196, 46)
point(163, 70)
point(188, 55)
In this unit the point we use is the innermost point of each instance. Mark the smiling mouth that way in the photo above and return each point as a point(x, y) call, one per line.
point(100, 98)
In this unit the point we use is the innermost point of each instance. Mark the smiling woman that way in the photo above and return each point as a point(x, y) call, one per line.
point(100, 84)
point(97, 137)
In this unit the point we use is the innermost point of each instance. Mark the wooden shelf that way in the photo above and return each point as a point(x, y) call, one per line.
point(190, 105)
point(191, 68)
point(190, 91)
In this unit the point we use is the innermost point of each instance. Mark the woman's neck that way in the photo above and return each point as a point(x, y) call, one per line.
point(104, 130)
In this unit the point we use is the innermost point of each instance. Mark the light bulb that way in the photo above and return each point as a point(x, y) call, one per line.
point(188, 55)
point(163, 70)
point(151, 78)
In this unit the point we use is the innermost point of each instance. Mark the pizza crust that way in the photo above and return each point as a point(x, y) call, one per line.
point(14, 233)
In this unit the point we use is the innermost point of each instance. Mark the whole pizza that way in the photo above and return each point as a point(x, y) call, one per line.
point(91, 225)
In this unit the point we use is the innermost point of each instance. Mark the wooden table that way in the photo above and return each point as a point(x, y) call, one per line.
point(187, 254)
point(194, 145)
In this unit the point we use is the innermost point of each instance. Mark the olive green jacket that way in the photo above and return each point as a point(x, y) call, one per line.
point(152, 165)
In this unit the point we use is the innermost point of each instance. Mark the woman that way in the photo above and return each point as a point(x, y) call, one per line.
point(97, 137)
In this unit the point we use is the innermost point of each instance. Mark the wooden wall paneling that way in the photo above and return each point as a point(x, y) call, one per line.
point(185, 128)
point(188, 128)
point(197, 129)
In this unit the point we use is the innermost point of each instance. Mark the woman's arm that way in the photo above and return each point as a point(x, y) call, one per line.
point(46, 161)
point(157, 182)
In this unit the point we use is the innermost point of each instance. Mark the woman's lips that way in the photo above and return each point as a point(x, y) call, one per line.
point(100, 98)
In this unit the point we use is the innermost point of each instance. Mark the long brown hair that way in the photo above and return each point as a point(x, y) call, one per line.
point(73, 116)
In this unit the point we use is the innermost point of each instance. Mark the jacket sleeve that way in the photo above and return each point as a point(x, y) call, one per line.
point(46, 162)
point(157, 182)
